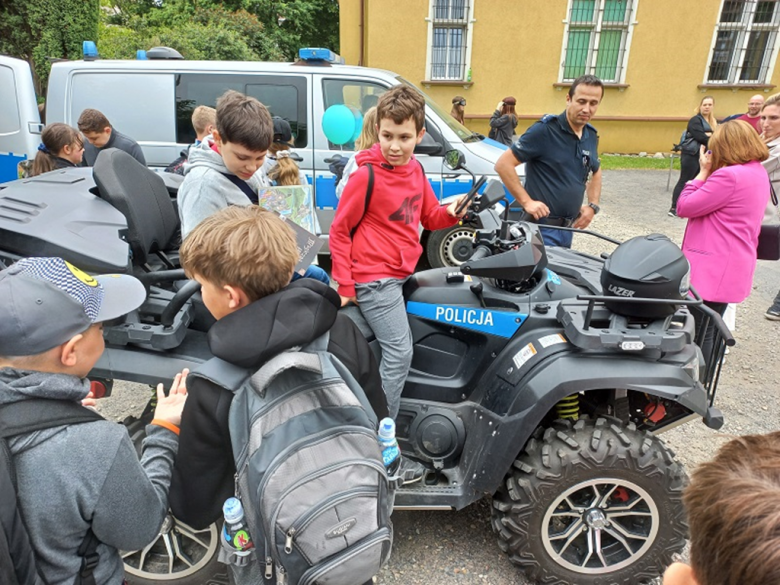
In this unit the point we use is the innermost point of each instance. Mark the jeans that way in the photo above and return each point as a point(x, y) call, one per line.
point(382, 305)
point(554, 237)
point(314, 272)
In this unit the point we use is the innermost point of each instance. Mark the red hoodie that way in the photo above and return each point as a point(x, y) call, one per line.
point(387, 243)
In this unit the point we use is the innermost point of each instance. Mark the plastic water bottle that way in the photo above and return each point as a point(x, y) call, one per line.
point(468, 75)
point(391, 454)
point(235, 531)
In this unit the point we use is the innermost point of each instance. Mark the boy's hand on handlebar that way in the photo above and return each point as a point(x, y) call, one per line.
point(347, 300)
point(169, 407)
point(536, 209)
point(452, 208)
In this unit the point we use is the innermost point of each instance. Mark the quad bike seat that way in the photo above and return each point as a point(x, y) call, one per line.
point(143, 198)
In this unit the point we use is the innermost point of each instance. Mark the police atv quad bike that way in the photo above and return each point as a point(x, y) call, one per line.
point(540, 376)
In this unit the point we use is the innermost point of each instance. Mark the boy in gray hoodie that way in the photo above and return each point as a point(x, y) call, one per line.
point(75, 478)
point(221, 169)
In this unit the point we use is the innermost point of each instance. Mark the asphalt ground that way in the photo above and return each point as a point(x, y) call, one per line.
point(459, 547)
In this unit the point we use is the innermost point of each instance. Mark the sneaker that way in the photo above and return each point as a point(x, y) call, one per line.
point(773, 312)
point(410, 471)
point(672, 213)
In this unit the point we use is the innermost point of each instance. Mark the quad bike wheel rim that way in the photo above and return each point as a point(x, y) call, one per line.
point(457, 247)
point(599, 526)
point(178, 552)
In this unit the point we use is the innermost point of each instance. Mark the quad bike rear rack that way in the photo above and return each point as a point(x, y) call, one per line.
point(590, 325)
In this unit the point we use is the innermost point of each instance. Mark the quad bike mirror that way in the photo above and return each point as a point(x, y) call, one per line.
point(454, 159)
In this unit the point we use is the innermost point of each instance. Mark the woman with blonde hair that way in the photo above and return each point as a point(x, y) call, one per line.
point(61, 147)
point(700, 128)
point(368, 138)
point(725, 205)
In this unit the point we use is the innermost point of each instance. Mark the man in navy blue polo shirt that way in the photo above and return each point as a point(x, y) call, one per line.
point(560, 153)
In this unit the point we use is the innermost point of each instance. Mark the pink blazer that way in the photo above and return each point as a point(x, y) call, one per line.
point(725, 214)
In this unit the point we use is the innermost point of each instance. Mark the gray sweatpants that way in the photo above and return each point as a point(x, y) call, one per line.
point(382, 305)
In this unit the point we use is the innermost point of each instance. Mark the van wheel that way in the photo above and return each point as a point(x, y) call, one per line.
point(591, 503)
point(450, 246)
point(180, 555)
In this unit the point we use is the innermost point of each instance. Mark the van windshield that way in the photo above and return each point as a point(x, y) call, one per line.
point(462, 132)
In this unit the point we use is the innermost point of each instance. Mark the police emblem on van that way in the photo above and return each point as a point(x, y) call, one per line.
point(341, 529)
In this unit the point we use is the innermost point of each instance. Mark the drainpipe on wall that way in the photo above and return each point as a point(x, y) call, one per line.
point(362, 30)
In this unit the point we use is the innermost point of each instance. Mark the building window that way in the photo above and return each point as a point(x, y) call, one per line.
point(744, 43)
point(597, 37)
point(449, 39)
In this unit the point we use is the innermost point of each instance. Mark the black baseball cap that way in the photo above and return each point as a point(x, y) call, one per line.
point(282, 132)
point(46, 301)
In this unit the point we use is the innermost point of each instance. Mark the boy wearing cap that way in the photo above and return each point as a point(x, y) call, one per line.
point(74, 479)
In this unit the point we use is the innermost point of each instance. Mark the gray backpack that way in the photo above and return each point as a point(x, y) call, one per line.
point(310, 474)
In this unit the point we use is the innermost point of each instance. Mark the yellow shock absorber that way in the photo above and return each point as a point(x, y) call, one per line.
point(569, 407)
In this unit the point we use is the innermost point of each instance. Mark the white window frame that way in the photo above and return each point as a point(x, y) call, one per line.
point(595, 39)
point(468, 30)
point(745, 27)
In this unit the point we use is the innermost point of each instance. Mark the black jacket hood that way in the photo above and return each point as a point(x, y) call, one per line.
point(294, 316)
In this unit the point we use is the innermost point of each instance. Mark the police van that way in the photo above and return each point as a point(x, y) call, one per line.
point(151, 99)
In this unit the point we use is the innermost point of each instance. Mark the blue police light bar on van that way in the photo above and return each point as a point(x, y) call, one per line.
point(319, 54)
point(89, 48)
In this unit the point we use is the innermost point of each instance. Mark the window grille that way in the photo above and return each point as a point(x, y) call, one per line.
point(745, 41)
point(450, 28)
point(596, 39)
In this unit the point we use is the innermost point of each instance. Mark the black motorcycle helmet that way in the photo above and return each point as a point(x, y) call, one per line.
point(646, 267)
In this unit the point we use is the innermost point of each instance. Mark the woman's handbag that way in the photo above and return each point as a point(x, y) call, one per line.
point(769, 237)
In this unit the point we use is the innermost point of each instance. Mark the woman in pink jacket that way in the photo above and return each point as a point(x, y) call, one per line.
point(725, 205)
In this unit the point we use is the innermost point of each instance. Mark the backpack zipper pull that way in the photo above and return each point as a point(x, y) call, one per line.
point(269, 568)
point(288, 542)
point(281, 576)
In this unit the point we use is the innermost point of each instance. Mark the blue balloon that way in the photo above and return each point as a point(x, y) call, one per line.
point(358, 123)
point(338, 124)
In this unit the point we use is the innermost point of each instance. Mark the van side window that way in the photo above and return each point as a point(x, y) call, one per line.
point(359, 96)
point(134, 102)
point(283, 95)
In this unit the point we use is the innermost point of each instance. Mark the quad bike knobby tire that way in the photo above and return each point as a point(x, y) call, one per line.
point(179, 555)
point(592, 503)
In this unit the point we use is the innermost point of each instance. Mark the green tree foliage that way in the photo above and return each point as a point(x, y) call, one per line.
point(35, 30)
point(267, 30)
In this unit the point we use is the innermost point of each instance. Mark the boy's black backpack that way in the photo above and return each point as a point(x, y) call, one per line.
point(17, 559)
point(310, 475)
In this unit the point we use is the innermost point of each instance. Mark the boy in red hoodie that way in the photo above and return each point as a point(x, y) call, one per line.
point(372, 264)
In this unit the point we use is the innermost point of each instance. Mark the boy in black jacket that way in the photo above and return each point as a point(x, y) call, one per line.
point(244, 259)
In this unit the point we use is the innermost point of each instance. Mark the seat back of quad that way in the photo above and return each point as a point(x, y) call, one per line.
point(142, 197)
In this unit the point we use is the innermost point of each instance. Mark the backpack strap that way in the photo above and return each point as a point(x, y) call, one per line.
point(35, 414)
point(369, 192)
point(243, 185)
point(222, 373)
